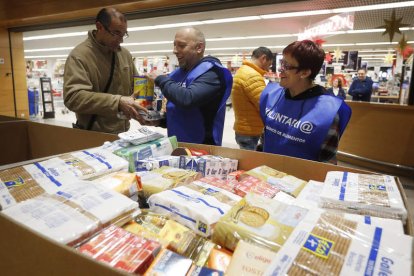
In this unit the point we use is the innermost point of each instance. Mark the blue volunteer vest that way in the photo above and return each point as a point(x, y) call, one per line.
point(188, 123)
point(299, 127)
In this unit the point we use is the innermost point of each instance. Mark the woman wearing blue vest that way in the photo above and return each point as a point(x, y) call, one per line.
point(300, 119)
point(196, 92)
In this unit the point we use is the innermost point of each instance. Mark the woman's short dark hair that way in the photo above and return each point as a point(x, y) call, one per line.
point(308, 54)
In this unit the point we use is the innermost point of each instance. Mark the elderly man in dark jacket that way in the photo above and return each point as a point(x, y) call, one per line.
point(361, 87)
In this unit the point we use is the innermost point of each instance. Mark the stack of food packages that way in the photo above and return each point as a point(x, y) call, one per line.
point(199, 215)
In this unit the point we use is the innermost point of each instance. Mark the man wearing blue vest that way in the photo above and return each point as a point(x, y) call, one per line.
point(196, 92)
point(300, 119)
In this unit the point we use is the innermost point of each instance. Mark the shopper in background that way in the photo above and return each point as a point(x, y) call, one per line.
point(196, 92)
point(248, 84)
point(361, 87)
point(300, 119)
point(336, 89)
point(98, 79)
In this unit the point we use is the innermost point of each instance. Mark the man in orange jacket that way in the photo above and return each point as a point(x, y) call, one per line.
point(248, 84)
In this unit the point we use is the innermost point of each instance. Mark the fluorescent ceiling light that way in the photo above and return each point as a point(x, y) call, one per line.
point(165, 26)
point(38, 37)
point(147, 43)
point(49, 49)
point(152, 51)
point(376, 51)
point(294, 14)
point(232, 19)
point(47, 56)
point(374, 55)
point(375, 58)
point(374, 43)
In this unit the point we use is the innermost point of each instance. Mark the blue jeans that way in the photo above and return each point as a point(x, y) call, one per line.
point(247, 142)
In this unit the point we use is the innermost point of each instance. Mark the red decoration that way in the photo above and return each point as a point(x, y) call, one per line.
point(318, 40)
point(404, 49)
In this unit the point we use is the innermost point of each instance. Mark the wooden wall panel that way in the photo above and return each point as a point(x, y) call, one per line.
point(383, 132)
point(19, 70)
point(6, 80)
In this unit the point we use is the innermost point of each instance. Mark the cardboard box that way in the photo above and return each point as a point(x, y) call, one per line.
point(25, 252)
point(24, 140)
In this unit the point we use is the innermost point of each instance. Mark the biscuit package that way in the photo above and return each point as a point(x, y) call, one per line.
point(282, 181)
point(122, 182)
point(209, 165)
point(139, 136)
point(89, 163)
point(156, 163)
point(260, 220)
point(365, 194)
point(197, 205)
point(328, 244)
point(165, 178)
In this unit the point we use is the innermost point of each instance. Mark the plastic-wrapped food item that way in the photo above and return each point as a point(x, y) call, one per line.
point(284, 182)
point(203, 271)
point(328, 244)
point(157, 148)
point(140, 135)
point(209, 165)
point(106, 205)
point(172, 235)
point(249, 259)
point(227, 185)
point(157, 162)
point(235, 175)
point(365, 194)
point(219, 259)
point(197, 205)
point(54, 218)
point(122, 182)
point(309, 197)
point(169, 263)
point(255, 185)
point(260, 220)
point(121, 249)
point(89, 163)
point(165, 178)
point(25, 182)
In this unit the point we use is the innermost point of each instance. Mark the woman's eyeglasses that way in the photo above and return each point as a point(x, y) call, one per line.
point(284, 66)
point(118, 34)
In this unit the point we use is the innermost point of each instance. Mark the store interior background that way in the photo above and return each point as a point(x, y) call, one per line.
point(273, 26)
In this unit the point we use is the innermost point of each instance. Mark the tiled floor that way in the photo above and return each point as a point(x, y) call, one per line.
point(66, 119)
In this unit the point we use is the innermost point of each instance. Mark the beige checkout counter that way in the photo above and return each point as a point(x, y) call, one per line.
point(23, 252)
point(379, 132)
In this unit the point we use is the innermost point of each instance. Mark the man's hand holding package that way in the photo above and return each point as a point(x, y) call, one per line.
point(131, 109)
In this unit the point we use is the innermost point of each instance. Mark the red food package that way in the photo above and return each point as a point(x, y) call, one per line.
point(255, 185)
point(121, 249)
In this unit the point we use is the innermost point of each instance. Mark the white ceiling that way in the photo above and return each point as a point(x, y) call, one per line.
point(370, 19)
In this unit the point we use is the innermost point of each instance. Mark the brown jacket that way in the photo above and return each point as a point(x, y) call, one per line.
point(87, 71)
point(248, 84)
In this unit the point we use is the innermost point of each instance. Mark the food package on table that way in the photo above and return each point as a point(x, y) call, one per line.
point(106, 205)
point(284, 182)
point(249, 259)
point(309, 198)
point(227, 185)
point(157, 148)
point(140, 135)
point(54, 218)
point(259, 220)
point(209, 165)
point(165, 178)
point(121, 249)
point(24, 182)
point(329, 244)
point(89, 163)
point(255, 185)
point(123, 182)
point(365, 194)
point(169, 263)
point(154, 163)
point(197, 205)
